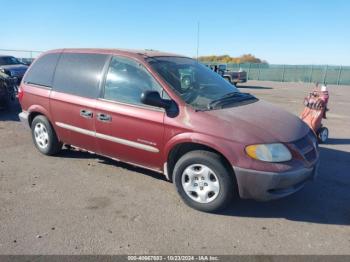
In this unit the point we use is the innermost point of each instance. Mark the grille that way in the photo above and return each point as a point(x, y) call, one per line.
point(307, 147)
point(311, 156)
point(302, 143)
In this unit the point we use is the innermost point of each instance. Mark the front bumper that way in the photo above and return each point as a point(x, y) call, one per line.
point(23, 116)
point(263, 186)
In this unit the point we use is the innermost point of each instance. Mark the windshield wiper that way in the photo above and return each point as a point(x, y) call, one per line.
point(233, 97)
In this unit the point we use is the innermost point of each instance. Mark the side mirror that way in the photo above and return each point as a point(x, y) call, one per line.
point(152, 98)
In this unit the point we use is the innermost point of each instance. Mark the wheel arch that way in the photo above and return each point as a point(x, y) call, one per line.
point(36, 110)
point(178, 149)
point(227, 76)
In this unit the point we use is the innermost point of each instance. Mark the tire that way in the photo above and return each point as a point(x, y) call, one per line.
point(323, 135)
point(192, 167)
point(4, 97)
point(228, 79)
point(44, 136)
point(3, 103)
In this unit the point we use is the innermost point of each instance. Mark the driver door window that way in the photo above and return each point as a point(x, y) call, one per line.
point(126, 80)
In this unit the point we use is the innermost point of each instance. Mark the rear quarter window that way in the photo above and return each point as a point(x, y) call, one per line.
point(42, 70)
point(79, 74)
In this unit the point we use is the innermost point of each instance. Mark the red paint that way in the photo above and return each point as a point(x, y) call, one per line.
point(227, 131)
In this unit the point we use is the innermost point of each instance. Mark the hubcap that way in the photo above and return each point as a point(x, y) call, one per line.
point(41, 135)
point(200, 183)
point(324, 135)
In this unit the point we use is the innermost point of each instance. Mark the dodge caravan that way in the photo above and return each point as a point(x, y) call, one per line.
point(211, 140)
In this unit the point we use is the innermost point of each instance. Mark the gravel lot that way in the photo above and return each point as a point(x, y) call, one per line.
point(80, 203)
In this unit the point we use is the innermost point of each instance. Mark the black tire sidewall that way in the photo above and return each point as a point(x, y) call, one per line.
point(53, 143)
point(4, 97)
point(228, 79)
point(323, 129)
point(215, 163)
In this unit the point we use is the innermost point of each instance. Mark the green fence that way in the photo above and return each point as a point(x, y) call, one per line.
point(337, 75)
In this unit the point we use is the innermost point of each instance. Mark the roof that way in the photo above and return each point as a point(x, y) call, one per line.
point(129, 52)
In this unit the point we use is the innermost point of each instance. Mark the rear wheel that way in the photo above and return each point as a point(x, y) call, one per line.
point(44, 136)
point(203, 181)
point(3, 102)
point(4, 96)
point(323, 134)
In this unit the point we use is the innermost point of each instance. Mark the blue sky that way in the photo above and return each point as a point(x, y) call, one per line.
point(285, 31)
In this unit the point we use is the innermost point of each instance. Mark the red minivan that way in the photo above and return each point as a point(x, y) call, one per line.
point(171, 114)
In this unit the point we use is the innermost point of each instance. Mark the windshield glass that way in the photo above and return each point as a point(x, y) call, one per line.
point(222, 67)
point(196, 84)
point(8, 60)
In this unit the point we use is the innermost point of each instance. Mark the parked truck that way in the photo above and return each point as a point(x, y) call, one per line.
point(234, 77)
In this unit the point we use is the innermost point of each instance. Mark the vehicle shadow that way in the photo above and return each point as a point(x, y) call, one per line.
point(324, 200)
point(338, 141)
point(73, 153)
point(10, 112)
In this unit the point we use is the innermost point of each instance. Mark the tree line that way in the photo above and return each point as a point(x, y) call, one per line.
point(246, 58)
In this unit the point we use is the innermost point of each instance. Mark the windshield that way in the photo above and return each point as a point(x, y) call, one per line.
point(196, 84)
point(9, 60)
point(222, 67)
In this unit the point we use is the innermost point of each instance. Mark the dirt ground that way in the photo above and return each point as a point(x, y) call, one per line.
point(80, 203)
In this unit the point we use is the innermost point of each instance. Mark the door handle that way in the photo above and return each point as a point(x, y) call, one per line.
point(104, 117)
point(86, 113)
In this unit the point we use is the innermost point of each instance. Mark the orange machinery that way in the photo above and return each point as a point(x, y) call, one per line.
point(315, 110)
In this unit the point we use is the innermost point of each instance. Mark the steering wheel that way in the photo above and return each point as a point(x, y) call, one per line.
point(189, 96)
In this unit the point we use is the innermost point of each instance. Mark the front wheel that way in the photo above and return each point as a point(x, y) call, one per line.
point(228, 79)
point(204, 181)
point(44, 136)
point(323, 134)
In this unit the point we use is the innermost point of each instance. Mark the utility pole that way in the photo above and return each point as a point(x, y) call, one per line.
point(198, 39)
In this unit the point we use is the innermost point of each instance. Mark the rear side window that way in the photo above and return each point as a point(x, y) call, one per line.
point(42, 71)
point(79, 74)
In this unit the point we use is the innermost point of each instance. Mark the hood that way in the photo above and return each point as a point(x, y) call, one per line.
point(258, 122)
point(15, 70)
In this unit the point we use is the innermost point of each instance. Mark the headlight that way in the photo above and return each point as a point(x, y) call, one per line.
point(269, 152)
point(5, 71)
